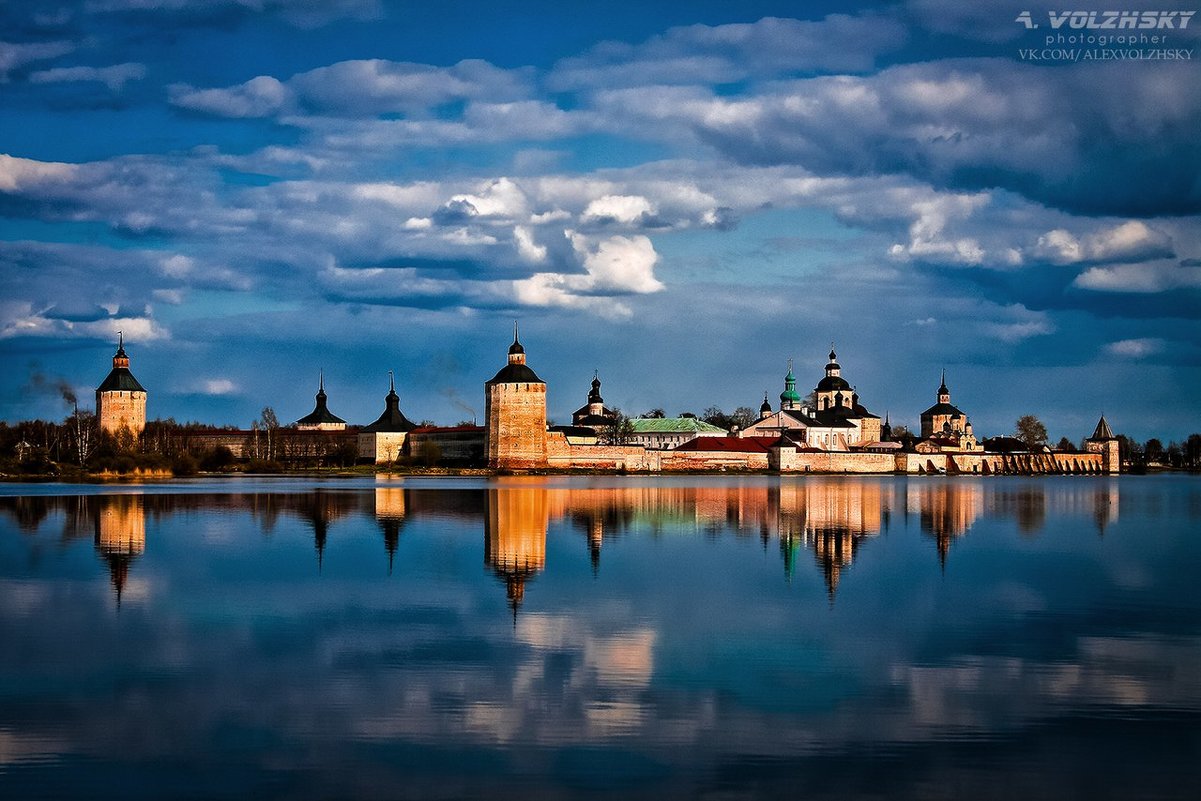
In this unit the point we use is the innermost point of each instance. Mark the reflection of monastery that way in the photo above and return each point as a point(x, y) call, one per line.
point(831, 518)
point(834, 433)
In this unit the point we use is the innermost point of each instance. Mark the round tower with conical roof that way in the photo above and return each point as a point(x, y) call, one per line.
point(120, 399)
point(515, 414)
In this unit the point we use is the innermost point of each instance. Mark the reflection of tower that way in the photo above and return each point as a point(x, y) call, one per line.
point(1105, 507)
point(515, 537)
point(390, 512)
point(596, 535)
point(834, 549)
point(120, 535)
point(320, 509)
point(946, 511)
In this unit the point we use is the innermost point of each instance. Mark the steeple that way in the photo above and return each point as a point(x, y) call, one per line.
point(944, 394)
point(765, 408)
point(594, 396)
point(886, 430)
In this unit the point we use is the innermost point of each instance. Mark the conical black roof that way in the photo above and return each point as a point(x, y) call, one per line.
point(392, 420)
point(320, 413)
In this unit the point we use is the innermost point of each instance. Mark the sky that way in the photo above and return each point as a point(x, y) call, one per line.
point(680, 196)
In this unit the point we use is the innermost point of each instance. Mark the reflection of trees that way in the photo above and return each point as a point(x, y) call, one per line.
point(1027, 504)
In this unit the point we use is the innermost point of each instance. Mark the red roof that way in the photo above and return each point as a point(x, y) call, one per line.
point(729, 444)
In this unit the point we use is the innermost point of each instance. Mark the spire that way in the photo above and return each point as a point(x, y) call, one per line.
point(516, 351)
point(833, 355)
point(120, 358)
point(942, 387)
point(391, 383)
point(320, 382)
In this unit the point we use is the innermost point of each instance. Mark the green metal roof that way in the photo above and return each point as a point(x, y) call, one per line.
point(673, 425)
point(120, 380)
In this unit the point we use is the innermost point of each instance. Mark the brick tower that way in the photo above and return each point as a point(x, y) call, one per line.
point(120, 399)
point(515, 414)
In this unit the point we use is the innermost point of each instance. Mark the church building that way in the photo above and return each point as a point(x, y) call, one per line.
point(838, 423)
point(945, 427)
point(593, 414)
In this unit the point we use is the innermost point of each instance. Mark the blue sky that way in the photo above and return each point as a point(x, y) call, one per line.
point(681, 196)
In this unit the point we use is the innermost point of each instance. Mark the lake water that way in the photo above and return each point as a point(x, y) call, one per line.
point(602, 637)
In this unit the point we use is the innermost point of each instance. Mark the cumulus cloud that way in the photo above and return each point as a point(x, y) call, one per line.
point(618, 208)
point(23, 319)
point(1132, 240)
point(970, 124)
point(114, 77)
point(1152, 277)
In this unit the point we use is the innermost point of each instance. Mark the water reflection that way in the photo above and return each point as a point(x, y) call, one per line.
point(120, 536)
point(831, 518)
point(983, 636)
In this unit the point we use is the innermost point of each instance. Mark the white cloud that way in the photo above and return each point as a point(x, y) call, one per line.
point(114, 77)
point(217, 386)
point(259, 97)
point(620, 208)
point(1135, 348)
point(1132, 240)
point(17, 174)
point(1151, 277)
point(15, 54)
point(527, 248)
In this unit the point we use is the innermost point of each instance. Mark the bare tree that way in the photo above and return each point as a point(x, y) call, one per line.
point(270, 424)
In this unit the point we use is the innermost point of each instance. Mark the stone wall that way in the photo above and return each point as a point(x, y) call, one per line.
point(120, 409)
point(1002, 463)
point(791, 460)
point(381, 447)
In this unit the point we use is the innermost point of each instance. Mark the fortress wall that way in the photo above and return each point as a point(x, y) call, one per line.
point(791, 460)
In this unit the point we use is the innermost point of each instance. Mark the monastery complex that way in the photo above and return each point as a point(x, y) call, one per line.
point(835, 434)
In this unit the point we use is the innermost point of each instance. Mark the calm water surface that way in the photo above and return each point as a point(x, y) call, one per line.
point(586, 638)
